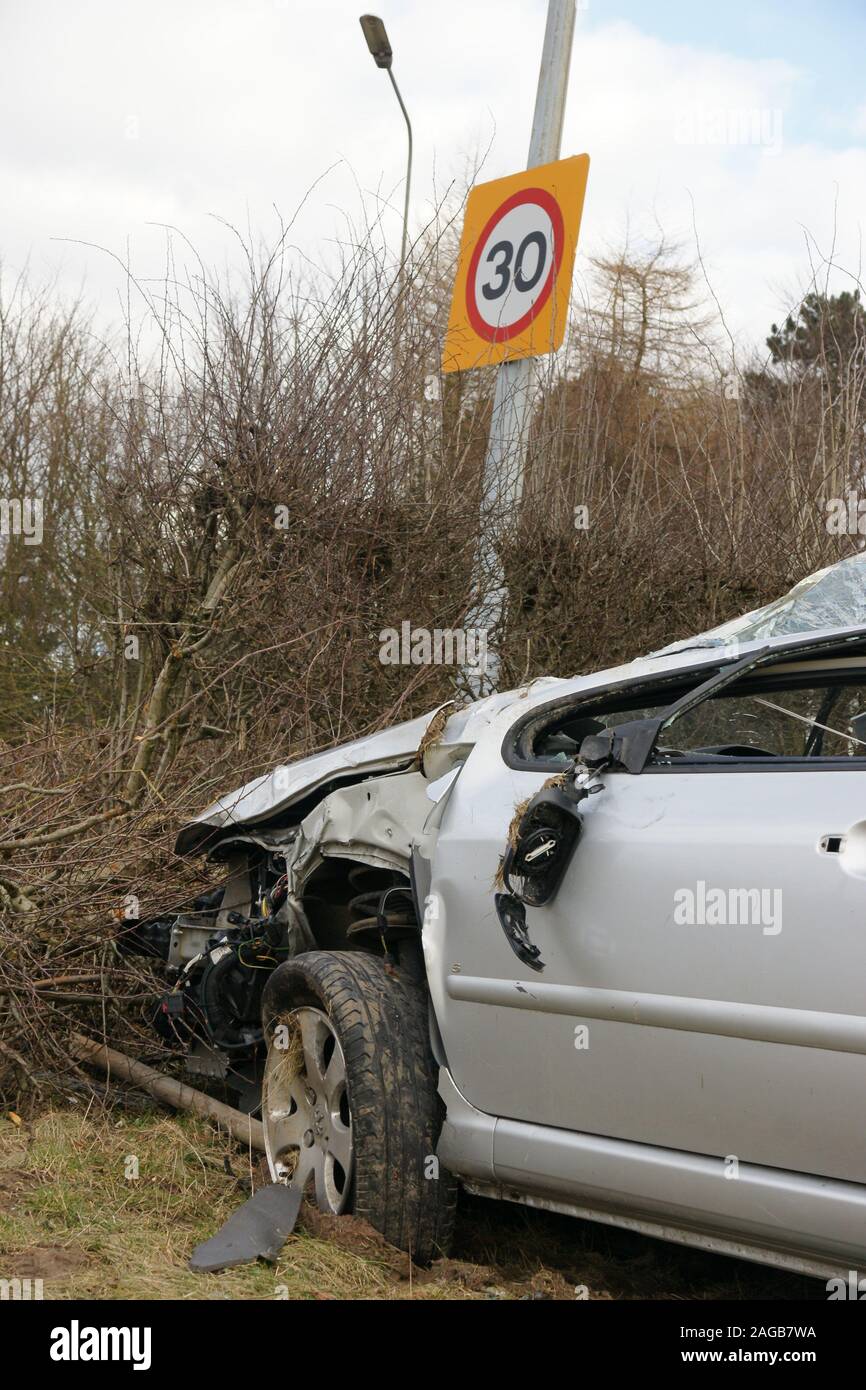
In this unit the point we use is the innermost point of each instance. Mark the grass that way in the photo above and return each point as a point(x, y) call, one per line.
point(73, 1214)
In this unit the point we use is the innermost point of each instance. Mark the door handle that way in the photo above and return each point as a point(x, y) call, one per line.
point(831, 844)
point(850, 847)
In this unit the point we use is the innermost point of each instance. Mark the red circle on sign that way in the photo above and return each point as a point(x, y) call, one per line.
point(545, 200)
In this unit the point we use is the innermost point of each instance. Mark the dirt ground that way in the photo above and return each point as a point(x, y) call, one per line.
point(74, 1214)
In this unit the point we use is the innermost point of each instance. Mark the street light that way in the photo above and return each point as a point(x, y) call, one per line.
point(377, 42)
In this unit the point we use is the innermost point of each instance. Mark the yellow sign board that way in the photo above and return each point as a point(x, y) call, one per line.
point(515, 267)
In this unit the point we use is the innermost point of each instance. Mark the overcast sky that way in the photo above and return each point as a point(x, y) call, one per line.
point(746, 118)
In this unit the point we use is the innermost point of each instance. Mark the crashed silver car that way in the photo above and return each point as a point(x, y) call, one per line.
point(596, 945)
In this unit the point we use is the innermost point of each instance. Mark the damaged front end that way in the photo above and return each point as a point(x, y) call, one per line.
point(215, 956)
point(317, 856)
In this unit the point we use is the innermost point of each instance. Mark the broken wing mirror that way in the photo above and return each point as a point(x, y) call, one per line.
point(512, 919)
point(542, 842)
point(625, 745)
point(630, 745)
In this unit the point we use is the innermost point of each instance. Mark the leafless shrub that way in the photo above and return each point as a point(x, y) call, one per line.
point(231, 520)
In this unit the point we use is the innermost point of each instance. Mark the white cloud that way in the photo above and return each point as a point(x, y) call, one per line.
point(169, 113)
point(752, 203)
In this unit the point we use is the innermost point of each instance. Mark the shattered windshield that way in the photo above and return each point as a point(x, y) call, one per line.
point(829, 598)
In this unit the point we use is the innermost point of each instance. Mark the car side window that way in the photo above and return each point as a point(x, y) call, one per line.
point(820, 720)
point(561, 741)
point(817, 717)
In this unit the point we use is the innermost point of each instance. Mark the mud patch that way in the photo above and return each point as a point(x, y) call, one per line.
point(352, 1234)
point(13, 1180)
point(48, 1262)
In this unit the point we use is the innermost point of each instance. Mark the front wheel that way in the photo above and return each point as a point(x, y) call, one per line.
point(349, 1099)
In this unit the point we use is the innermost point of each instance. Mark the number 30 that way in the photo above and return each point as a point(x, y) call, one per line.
point(505, 250)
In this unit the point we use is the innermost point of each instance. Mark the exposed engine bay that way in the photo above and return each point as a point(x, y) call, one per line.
point(330, 874)
point(218, 953)
point(215, 959)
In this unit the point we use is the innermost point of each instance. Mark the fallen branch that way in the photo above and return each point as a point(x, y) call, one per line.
point(33, 841)
point(174, 1093)
point(39, 791)
point(61, 980)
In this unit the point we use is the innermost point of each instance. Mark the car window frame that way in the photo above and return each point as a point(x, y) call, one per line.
point(640, 692)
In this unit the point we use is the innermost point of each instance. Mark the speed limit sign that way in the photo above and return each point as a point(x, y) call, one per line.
point(515, 266)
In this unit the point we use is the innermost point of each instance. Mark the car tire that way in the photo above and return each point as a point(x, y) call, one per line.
point(389, 1101)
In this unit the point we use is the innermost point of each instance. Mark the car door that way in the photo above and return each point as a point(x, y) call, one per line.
point(704, 961)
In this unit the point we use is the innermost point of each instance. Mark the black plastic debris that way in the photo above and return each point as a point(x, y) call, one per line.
point(256, 1231)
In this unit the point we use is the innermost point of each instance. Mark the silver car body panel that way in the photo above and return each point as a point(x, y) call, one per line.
point(391, 750)
point(253, 805)
point(791, 1220)
point(373, 822)
point(277, 791)
point(703, 1051)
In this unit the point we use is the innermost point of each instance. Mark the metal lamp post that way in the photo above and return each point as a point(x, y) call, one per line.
point(377, 42)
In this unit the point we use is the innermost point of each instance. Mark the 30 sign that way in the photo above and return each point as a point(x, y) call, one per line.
point(516, 261)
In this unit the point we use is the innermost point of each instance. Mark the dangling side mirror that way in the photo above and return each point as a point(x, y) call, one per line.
point(543, 842)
